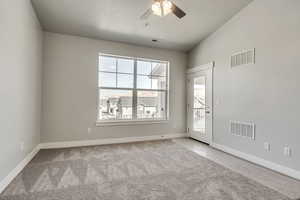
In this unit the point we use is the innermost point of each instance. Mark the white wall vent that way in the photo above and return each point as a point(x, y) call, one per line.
point(242, 129)
point(243, 58)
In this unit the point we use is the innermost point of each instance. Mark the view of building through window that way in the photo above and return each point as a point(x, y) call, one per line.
point(132, 89)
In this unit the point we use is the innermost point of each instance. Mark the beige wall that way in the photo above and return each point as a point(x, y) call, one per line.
point(70, 89)
point(266, 93)
point(20, 82)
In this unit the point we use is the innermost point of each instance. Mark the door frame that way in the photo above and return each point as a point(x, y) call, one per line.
point(193, 72)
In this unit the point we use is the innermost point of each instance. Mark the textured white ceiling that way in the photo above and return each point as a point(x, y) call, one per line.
point(119, 20)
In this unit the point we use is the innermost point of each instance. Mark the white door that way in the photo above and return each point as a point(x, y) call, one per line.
point(199, 108)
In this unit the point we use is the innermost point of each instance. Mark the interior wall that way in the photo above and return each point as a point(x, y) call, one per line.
point(266, 93)
point(21, 41)
point(70, 89)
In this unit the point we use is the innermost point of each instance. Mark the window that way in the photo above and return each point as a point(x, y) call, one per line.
point(132, 89)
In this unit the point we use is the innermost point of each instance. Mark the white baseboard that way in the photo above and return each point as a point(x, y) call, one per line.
point(7, 180)
point(265, 163)
point(67, 144)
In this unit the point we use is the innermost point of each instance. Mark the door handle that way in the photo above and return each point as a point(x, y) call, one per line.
point(207, 112)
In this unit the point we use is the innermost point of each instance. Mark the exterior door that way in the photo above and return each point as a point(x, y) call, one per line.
point(199, 103)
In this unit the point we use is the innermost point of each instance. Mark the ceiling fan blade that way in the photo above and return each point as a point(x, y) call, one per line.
point(177, 11)
point(146, 15)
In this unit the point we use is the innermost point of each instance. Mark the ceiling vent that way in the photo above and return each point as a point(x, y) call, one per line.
point(242, 129)
point(243, 58)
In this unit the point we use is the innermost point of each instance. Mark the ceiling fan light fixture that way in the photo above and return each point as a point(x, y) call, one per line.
point(167, 6)
point(156, 9)
point(162, 8)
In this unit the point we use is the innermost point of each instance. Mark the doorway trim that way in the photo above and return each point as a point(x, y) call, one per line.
point(201, 68)
point(190, 72)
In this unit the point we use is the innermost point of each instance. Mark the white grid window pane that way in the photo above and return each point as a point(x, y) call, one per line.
point(159, 82)
point(115, 104)
point(151, 105)
point(125, 81)
point(143, 82)
point(125, 66)
point(108, 64)
point(107, 79)
point(159, 69)
point(144, 67)
point(132, 89)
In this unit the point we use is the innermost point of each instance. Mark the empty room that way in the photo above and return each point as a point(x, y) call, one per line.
point(149, 100)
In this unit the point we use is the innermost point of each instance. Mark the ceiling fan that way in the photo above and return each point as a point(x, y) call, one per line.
point(162, 8)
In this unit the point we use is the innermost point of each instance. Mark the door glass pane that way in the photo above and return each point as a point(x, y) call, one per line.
point(199, 104)
point(115, 104)
point(151, 105)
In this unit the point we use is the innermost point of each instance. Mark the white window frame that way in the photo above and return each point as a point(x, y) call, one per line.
point(134, 120)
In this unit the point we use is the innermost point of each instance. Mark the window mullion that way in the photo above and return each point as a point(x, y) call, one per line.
point(116, 73)
point(167, 93)
point(151, 74)
point(134, 98)
point(166, 104)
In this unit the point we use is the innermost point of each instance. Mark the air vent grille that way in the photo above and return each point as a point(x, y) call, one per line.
point(243, 58)
point(242, 129)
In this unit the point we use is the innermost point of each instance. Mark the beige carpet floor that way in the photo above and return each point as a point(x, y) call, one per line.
point(161, 170)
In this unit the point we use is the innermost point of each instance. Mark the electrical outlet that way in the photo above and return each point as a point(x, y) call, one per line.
point(287, 151)
point(22, 146)
point(267, 146)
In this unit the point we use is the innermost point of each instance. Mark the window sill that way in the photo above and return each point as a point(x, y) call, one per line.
point(130, 123)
